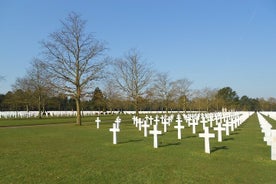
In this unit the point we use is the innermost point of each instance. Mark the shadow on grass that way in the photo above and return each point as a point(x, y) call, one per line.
point(169, 144)
point(190, 136)
point(234, 133)
point(228, 139)
point(173, 130)
point(130, 141)
point(217, 148)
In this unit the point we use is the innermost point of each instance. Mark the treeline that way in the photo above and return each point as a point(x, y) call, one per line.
point(198, 100)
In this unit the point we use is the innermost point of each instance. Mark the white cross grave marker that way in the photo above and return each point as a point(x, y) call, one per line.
point(194, 124)
point(165, 123)
point(227, 125)
point(118, 121)
point(140, 124)
point(115, 129)
point(273, 145)
point(219, 128)
point(206, 135)
point(156, 119)
point(155, 132)
point(145, 125)
point(150, 119)
point(98, 122)
point(203, 121)
point(179, 127)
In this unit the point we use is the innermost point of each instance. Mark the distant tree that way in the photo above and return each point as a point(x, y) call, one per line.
point(163, 89)
point(112, 95)
point(72, 59)
point(181, 88)
point(98, 101)
point(228, 98)
point(132, 76)
point(36, 84)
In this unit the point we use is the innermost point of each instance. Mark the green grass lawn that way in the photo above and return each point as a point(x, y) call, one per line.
point(51, 120)
point(83, 154)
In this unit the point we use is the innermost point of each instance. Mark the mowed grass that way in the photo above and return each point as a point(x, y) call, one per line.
point(49, 120)
point(83, 154)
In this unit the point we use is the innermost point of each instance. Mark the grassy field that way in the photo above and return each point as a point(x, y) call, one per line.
point(50, 120)
point(83, 154)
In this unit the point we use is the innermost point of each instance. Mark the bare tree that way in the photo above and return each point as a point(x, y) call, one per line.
point(36, 82)
point(112, 95)
point(163, 89)
point(182, 91)
point(72, 59)
point(132, 76)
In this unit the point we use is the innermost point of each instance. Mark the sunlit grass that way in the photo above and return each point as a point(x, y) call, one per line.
point(83, 154)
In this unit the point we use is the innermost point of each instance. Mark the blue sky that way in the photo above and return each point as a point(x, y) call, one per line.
point(214, 43)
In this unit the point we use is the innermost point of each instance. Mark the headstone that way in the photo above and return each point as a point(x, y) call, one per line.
point(194, 124)
point(179, 127)
point(118, 121)
point(273, 145)
point(146, 126)
point(219, 128)
point(211, 120)
point(206, 135)
point(203, 121)
point(156, 120)
point(115, 129)
point(155, 133)
point(98, 122)
point(165, 123)
point(134, 120)
point(227, 125)
point(150, 120)
point(140, 124)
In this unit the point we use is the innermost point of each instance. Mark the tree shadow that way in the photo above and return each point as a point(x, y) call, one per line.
point(173, 130)
point(169, 144)
point(130, 141)
point(190, 136)
point(217, 148)
point(228, 139)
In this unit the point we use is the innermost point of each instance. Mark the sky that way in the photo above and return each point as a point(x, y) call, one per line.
point(213, 43)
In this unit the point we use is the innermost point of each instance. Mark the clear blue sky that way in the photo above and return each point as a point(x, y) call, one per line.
point(214, 43)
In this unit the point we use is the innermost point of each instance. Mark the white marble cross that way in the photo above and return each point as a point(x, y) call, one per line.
point(155, 133)
point(227, 125)
point(232, 125)
point(219, 128)
point(178, 119)
point(150, 120)
point(203, 121)
point(115, 129)
point(206, 135)
point(118, 121)
point(179, 127)
point(146, 126)
point(211, 121)
point(194, 124)
point(165, 123)
point(162, 119)
point(156, 119)
point(134, 120)
point(140, 122)
point(273, 145)
point(98, 122)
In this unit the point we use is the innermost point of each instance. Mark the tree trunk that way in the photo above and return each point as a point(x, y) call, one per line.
point(78, 122)
point(39, 107)
point(136, 107)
